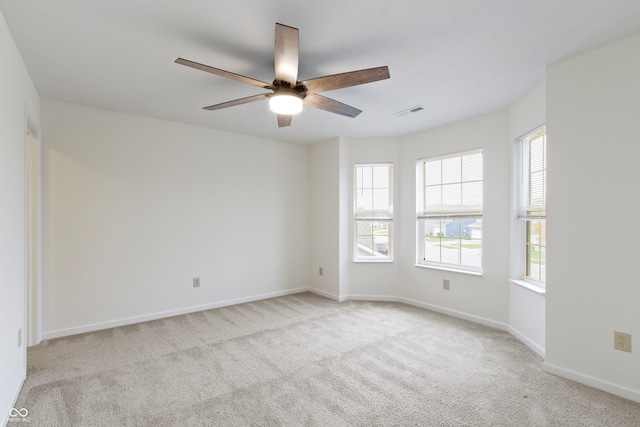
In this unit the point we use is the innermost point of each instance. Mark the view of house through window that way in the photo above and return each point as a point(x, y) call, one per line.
point(533, 203)
point(450, 211)
point(373, 211)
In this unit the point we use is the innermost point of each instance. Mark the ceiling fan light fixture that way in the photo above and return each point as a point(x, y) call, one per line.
point(286, 104)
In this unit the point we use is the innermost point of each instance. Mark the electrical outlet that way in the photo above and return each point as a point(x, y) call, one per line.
point(196, 282)
point(445, 284)
point(19, 337)
point(320, 271)
point(622, 341)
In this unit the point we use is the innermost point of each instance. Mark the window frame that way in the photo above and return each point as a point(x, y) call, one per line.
point(385, 219)
point(527, 214)
point(476, 214)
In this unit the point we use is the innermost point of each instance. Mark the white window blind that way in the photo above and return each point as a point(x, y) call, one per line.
point(453, 186)
point(373, 196)
point(533, 203)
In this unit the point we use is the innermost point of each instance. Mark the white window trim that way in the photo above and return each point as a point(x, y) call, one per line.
point(519, 226)
point(446, 267)
point(354, 220)
point(420, 183)
point(526, 284)
point(524, 280)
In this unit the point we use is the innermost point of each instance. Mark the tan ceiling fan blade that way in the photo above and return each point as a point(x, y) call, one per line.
point(342, 80)
point(235, 102)
point(284, 120)
point(223, 73)
point(331, 105)
point(286, 54)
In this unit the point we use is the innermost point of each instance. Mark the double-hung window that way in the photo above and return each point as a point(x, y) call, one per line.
point(373, 211)
point(533, 203)
point(450, 211)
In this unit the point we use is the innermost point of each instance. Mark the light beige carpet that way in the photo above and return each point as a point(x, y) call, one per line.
point(303, 360)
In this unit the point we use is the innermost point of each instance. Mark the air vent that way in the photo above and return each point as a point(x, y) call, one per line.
point(409, 111)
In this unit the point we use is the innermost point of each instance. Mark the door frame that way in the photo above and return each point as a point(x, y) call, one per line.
point(33, 228)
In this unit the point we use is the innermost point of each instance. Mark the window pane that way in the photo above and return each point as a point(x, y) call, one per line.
point(472, 167)
point(450, 243)
point(451, 170)
point(380, 177)
point(451, 196)
point(433, 173)
point(372, 193)
point(533, 197)
point(536, 258)
point(373, 238)
point(537, 189)
point(364, 177)
point(364, 202)
point(380, 203)
point(455, 242)
point(472, 195)
point(471, 244)
point(537, 154)
point(433, 198)
point(543, 264)
point(432, 230)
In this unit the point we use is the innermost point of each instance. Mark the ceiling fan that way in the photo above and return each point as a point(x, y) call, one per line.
point(289, 94)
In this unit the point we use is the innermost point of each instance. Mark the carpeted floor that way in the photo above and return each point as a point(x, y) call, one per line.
point(303, 360)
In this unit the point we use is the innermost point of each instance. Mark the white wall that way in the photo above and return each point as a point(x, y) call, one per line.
point(593, 107)
point(483, 299)
point(18, 98)
point(135, 207)
point(324, 218)
point(526, 306)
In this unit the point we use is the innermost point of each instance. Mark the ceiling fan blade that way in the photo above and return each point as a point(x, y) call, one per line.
point(237, 102)
point(284, 120)
point(286, 54)
point(223, 73)
point(331, 105)
point(342, 80)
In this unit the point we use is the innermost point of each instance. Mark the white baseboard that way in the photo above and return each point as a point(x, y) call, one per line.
point(454, 313)
point(612, 388)
point(382, 298)
point(325, 294)
point(527, 341)
point(12, 404)
point(415, 303)
point(164, 314)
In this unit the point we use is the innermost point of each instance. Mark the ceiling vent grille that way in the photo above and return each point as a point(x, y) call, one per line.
point(409, 111)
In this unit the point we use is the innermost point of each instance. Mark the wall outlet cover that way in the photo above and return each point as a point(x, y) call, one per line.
point(622, 341)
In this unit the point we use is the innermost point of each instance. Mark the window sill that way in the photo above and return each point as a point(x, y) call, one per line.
point(530, 286)
point(451, 270)
point(373, 261)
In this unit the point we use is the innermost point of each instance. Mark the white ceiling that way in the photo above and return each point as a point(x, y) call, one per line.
point(456, 58)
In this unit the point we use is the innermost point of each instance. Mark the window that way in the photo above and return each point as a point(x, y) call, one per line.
point(533, 203)
point(450, 211)
point(373, 212)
